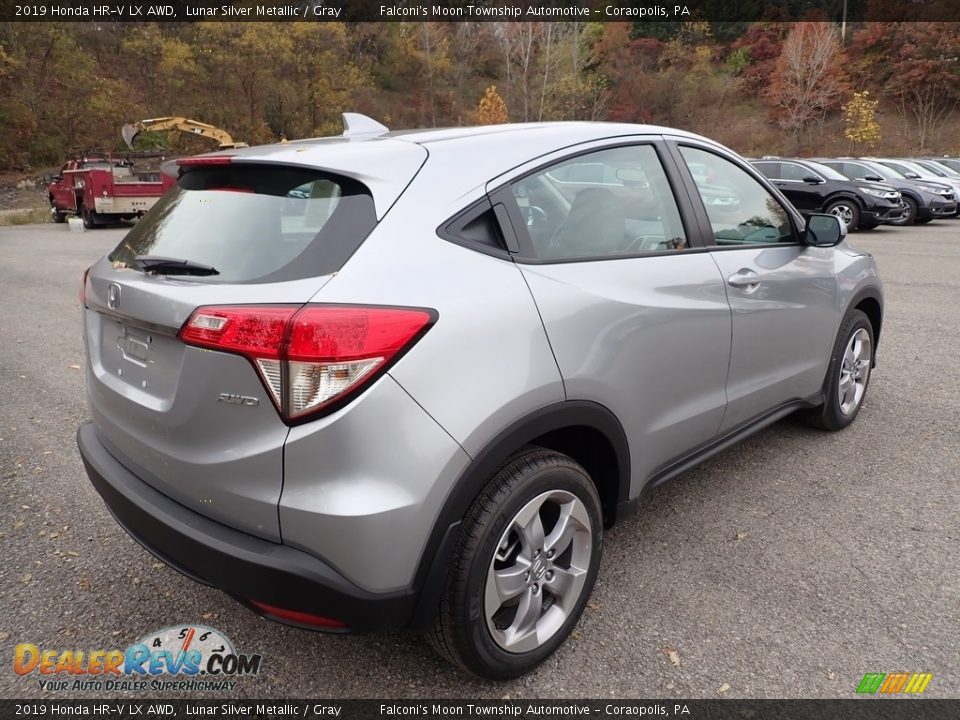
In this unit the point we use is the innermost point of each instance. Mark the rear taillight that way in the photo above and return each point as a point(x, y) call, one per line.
point(311, 359)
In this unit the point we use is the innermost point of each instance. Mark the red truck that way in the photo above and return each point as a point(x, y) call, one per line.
point(104, 190)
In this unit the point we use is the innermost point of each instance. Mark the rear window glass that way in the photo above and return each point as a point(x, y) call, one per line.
point(255, 223)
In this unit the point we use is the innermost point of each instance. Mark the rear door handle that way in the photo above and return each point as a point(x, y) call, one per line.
point(745, 278)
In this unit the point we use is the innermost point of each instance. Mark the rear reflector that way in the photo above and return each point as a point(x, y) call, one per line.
point(296, 616)
point(311, 359)
point(83, 288)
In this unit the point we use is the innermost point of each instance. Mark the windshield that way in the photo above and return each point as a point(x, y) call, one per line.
point(253, 222)
point(904, 166)
point(939, 169)
point(931, 168)
point(827, 172)
point(885, 171)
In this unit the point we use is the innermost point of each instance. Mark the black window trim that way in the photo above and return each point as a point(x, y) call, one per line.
point(448, 229)
point(797, 223)
point(526, 254)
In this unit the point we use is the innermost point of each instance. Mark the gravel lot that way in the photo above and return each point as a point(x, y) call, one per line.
point(788, 566)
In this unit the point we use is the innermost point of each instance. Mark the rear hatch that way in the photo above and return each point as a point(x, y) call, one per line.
point(199, 425)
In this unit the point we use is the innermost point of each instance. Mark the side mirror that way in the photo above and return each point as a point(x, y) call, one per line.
point(824, 230)
point(911, 176)
point(47, 179)
point(811, 180)
point(873, 178)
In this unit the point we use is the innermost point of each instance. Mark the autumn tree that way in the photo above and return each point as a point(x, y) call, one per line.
point(917, 67)
point(860, 124)
point(492, 110)
point(520, 45)
point(754, 55)
point(628, 68)
point(809, 78)
point(694, 86)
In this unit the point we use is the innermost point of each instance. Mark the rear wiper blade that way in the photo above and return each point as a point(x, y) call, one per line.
point(171, 266)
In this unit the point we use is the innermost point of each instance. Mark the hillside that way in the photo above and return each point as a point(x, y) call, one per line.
point(760, 88)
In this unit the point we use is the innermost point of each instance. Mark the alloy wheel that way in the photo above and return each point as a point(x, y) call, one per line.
point(845, 213)
point(854, 371)
point(538, 571)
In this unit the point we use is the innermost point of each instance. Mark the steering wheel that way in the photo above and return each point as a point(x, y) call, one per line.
point(533, 214)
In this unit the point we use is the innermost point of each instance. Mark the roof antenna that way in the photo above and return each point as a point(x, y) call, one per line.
point(357, 125)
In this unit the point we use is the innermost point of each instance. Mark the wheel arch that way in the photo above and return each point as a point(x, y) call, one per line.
point(843, 195)
point(586, 431)
point(913, 195)
point(868, 302)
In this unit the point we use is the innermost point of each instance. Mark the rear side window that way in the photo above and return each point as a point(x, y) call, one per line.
point(767, 169)
point(255, 223)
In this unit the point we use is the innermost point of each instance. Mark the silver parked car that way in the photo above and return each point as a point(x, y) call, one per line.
point(407, 379)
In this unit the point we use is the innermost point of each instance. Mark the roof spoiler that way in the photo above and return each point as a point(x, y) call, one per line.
point(357, 125)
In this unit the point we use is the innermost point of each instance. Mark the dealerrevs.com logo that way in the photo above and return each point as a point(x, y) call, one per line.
point(182, 658)
point(894, 683)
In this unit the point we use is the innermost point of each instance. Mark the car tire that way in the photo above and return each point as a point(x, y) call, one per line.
point(847, 211)
point(538, 525)
point(910, 216)
point(848, 374)
point(59, 217)
point(89, 218)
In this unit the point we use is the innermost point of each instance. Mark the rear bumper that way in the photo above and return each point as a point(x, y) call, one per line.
point(246, 567)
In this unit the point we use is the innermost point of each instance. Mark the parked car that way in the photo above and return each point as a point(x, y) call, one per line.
point(937, 168)
point(407, 380)
point(815, 188)
point(913, 171)
point(924, 201)
point(950, 162)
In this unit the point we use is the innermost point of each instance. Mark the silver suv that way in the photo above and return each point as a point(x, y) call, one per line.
point(406, 379)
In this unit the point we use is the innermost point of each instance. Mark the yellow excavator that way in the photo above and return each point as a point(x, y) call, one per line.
point(184, 125)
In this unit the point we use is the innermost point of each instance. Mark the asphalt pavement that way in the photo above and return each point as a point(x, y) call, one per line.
point(788, 566)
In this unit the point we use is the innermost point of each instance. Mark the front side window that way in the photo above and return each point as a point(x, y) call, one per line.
point(857, 172)
point(797, 173)
point(740, 209)
point(826, 171)
point(607, 203)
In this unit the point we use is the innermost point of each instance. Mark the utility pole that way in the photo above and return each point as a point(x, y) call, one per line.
point(843, 25)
